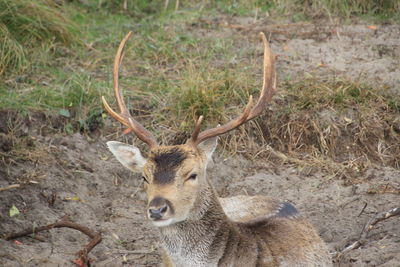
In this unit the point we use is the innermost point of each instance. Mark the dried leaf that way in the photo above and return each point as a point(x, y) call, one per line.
point(126, 131)
point(74, 198)
point(285, 48)
point(79, 262)
point(64, 112)
point(13, 211)
point(16, 242)
point(348, 120)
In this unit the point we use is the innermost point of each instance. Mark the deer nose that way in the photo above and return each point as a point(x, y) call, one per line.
point(158, 207)
point(158, 213)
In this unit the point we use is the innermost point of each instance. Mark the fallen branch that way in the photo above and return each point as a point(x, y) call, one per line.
point(9, 187)
point(367, 228)
point(13, 186)
point(65, 222)
point(134, 252)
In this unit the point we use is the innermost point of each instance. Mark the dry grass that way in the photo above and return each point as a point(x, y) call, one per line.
point(340, 126)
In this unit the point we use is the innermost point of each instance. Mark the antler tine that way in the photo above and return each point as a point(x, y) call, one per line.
point(197, 127)
point(117, 62)
point(125, 117)
point(268, 89)
point(269, 80)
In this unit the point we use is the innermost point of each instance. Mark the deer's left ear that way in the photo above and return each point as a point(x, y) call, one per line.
point(128, 155)
point(209, 146)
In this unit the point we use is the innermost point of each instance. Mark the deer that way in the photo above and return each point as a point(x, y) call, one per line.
point(196, 227)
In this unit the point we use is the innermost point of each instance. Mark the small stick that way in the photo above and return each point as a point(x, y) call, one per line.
point(367, 228)
point(13, 186)
point(377, 218)
point(9, 187)
point(65, 222)
point(361, 212)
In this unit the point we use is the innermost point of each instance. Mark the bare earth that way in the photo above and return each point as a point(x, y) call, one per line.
point(77, 176)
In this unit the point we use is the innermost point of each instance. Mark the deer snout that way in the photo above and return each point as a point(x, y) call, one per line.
point(158, 207)
point(158, 213)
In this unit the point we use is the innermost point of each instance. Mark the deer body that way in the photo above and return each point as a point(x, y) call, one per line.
point(196, 227)
point(216, 240)
point(255, 234)
point(199, 229)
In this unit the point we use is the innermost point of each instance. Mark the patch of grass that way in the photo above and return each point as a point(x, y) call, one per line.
point(78, 93)
point(339, 126)
point(36, 21)
point(132, 8)
point(27, 25)
point(315, 94)
point(203, 91)
point(12, 54)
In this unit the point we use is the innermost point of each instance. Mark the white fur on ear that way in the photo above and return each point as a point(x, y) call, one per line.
point(128, 155)
point(209, 146)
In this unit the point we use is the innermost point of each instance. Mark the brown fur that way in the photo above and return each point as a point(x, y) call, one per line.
point(200, 229)
point(238, 231)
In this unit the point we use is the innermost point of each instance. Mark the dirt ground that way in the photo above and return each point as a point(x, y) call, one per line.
point(75, 175)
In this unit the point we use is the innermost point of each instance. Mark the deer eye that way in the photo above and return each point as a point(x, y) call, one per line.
point(192, 177)
point(145, 180)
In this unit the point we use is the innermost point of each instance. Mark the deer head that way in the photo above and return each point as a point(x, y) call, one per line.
point(175, 176)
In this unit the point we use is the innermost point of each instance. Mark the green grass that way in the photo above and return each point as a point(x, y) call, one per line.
point(338, 94)
point(176, 68)
point(169, 67)
point(12, 54)
point(27, 27)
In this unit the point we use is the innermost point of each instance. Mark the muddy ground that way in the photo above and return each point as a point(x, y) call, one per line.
point(75, 175)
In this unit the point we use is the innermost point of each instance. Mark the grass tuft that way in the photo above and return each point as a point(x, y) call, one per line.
point(349, 124)
point(12, 54)
point(26, 25)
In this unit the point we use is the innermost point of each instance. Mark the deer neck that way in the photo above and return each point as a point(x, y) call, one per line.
point(199, 240)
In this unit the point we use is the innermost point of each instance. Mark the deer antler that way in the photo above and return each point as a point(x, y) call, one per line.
point(268, 89)
point(125, 117)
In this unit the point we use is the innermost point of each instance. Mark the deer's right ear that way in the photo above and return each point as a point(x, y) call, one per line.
point(128, 155)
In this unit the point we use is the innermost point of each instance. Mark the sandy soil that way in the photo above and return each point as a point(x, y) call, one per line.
point(363, 52)
point(77, 176)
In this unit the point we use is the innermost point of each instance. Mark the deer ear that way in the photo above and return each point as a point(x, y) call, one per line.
point(128, 155)
point(209, 146)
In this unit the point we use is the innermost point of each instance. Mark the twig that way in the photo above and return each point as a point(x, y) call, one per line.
point(13, 186)
point(367, 228)
point(362, 210)
point(134, 252)
point(379, 217)
point(9, 187)
point(65, 222)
